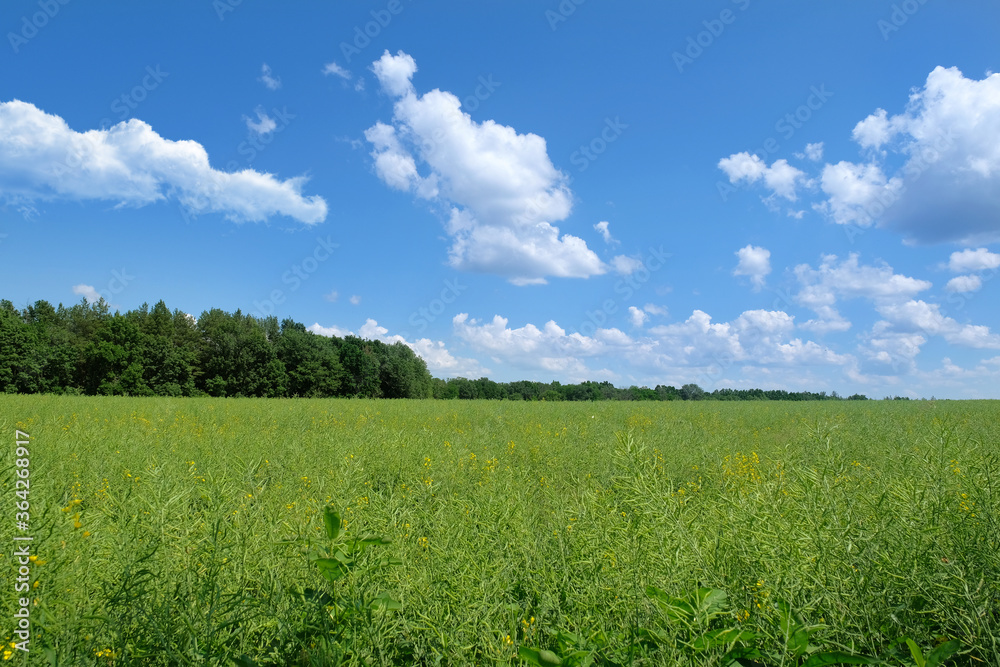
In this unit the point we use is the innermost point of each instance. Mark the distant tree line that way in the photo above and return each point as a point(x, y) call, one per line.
point(85, 349)
point(524, 390)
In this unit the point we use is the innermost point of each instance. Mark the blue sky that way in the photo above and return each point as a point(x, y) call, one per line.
point(737, 194)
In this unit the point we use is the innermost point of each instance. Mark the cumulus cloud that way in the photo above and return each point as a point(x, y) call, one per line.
point(820, 288)
point(41, 158)
point(88, 292)
point(916, 316)
point(636, 316)
point(497, 189)
point(755, 262)
point(440, 362)
point(626, 265)
point(781, 178)
point(814, 151)
point(355, 300)
point(268, 79)
point(968, 260)
point(931, 172)
point(963, 284)
point(395, 72)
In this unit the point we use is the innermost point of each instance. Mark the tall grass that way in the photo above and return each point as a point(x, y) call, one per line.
point(185, 531)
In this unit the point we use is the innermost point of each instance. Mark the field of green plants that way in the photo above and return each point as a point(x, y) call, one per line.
point(323, 532)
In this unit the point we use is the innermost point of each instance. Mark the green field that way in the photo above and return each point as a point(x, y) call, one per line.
point(187, 531)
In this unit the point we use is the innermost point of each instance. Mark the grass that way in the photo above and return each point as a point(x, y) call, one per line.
point(187, 531)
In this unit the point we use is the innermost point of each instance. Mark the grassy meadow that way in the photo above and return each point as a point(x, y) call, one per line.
point(196, 532)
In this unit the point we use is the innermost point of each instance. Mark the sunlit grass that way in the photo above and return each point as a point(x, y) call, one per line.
point(164, 528)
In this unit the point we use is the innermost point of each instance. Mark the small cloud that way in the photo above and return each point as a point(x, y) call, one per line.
point(359, 85)
point(264, 125)
point(602, 227)
point(755, 262)
point(653, 309)
point(337, 70)
point(626, 265)
point(331, 297)
point(979, 259)
point(87, 291)
point(636, 316)
point(814, 151)
point(269, 80)
point(355, 300)
point(963, 284)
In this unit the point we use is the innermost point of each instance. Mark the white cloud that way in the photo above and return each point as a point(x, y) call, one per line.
point(755, 262)
point(963, 284)
point(440, 362)
point(336, 70)
point(602, 227)
point(820, 288)
point(264, 125)
point(355, 300)
point(857, 192)
point(499, 188)
point(781, 178)
point(636, 316)
point(87, 291)
point(395, 72)
point(626, 265)
point(268, 79)
point(931, 172)
point(814, 151)
point(41, 158)
point(653, 309)
point(917, 316)
point(949, 135)
point(332, 296)
point(968, 260)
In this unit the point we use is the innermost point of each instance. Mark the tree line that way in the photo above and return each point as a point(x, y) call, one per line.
point(524, 390)
point(85, 349)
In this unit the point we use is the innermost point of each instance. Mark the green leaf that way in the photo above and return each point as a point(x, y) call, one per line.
point(943, 652)
point(654, 637)
point(676, 609)
point(918, 655)
point(331, 569)
point(711, 601)
point(538, 657)
point(838, 658)
point(331, 518)
point(385, 601)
